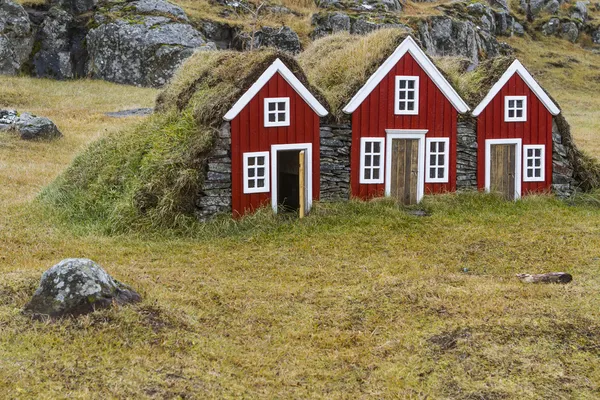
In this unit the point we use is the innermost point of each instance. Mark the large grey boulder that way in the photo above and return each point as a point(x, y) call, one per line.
point(75, 7)
point(580, 11)
point(141, 50)
point(16, 37)
point(30, 127)
point(282, 38)
point(361, 5)
point(53, 59)
point(596, 36)
point(77, 286)
point(328, 23)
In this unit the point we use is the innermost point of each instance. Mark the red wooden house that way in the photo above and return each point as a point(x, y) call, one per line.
point(271, 124)
point(404, 129)
point(514, 134)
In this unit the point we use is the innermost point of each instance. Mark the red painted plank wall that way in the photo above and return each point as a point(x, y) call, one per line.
point(536, 130)
point(376, 114)
point(248, 134)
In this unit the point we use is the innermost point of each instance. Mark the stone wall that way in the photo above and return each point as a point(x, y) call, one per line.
point(466, 155)
point(563, 181)
point(336, 141)
point(215, 197)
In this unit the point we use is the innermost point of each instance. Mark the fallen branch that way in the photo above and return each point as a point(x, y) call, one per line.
point(552, 277)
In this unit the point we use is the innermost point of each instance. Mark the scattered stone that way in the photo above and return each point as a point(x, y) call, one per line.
point(222, 34)
point(570, 31)
point(580, 11)
point(75, 7)
point(77, 286)
point(418, 213)
point(551, 27)
point(135, 112)
point(16, 37)
point(282, 38)
point(53, 60)
point(552, 277)
point(28, 126)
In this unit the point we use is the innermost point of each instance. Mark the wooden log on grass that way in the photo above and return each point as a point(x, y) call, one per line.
point(551, 277)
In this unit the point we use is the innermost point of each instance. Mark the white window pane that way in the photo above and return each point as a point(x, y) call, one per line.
point(519, 113)
point(402, 95)
point(251, 160)
point(261, 183)
point(251, 183)
point(411, 84)
point(511, 104)
point(251, 172)
point(432, 159)
point(402, 106)
point(367, 173)
point(375, 173)
point(281, 106)
point(529, 152)
point(441, 159)
point(441, 146)
point(411, 106)
point(511, 113)
point(432, 173)
point(367, 161)
point(538, 152)
point(261, 160)
point(529, 173)
point(519, 103)
point(376, 147)
point(538, 173)
point(402, 84)
point(411, 95)
point(368, 147)
point(538, 162)
point(432, 146)
point(260, 172)
point(271, 117)
point(271, 106)
point(376, 160)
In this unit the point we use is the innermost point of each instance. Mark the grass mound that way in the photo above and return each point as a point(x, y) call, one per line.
point(152, 175)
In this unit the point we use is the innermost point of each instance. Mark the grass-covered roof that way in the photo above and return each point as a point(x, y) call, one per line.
point(153, 174)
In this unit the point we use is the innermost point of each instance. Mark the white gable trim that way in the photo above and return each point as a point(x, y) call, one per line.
point(277, 66)
point(408, 46)
point(517, 67)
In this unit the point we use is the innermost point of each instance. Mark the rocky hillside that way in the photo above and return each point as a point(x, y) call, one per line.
point(142, 42)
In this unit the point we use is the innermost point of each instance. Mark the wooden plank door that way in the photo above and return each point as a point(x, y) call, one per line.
point(405, 170)
point(502, 170)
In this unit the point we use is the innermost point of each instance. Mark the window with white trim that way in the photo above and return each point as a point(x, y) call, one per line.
point(407, 95)
point(371, 160)
point(437, 160)
point(534, 163)
point(515, 108)
point(277, 111)
point(256, 172)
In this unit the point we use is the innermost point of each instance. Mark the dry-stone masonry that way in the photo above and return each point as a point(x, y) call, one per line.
point(466, 155)
point(215, 197)
point(335, 144)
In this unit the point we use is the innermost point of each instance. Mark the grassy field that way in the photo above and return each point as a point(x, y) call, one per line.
point(360, 300)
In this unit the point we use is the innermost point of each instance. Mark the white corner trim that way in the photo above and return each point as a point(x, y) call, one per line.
point(266, 188)
point(363, 142)
point(277, 66)
point(542, 177)
point(392, 134)
point(507, 118)
point(517, 67)
point(415, 110)
point(444, 179)
point(488, 162)
point(307, 147)
point(408, 46)
point(266, 112)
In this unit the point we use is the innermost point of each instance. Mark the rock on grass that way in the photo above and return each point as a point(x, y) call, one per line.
point(77, 286)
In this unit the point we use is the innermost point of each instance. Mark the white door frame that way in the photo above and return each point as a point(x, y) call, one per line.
point(488, 162)
point(418, 134)
point(275, 148)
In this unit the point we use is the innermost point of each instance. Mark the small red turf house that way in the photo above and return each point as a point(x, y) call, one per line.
point(271, 124)
point(514, 135)
point(404, 129)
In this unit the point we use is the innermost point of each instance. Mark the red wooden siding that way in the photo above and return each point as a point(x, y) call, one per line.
point(376, 114)
point(536, 130)
point(248, 134)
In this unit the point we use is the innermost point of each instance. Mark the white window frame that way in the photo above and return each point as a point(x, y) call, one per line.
point(397, 110)
point(542, 176)
point(506, 109)
point(267, 187)
point(363, 144)
point(446, 154)
point(518, 159)
point(270, 100)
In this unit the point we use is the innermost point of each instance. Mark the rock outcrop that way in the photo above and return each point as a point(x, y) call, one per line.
point(77, 286)
point(139, 49)
point(16, 37)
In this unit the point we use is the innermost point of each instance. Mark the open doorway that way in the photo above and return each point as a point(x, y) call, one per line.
point(288, 190)
point(291, 192)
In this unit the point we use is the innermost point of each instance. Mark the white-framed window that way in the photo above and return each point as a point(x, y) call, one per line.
point(256, 172)
point(407, 95)
point(515, 108)
point(371, 160)
point(436, 160)
point(277, 111)
point(534, 163)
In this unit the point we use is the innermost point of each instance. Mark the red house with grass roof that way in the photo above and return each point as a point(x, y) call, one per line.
point(273, 125)
point(404, 129)
point(514, 135)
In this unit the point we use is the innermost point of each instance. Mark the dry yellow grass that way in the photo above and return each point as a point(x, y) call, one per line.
point(356, 301)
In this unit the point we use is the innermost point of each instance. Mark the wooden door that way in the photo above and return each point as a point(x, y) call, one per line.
point(502, 170)
point(405, 170)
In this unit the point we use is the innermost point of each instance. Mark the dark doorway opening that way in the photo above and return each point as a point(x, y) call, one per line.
point(288, 180)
